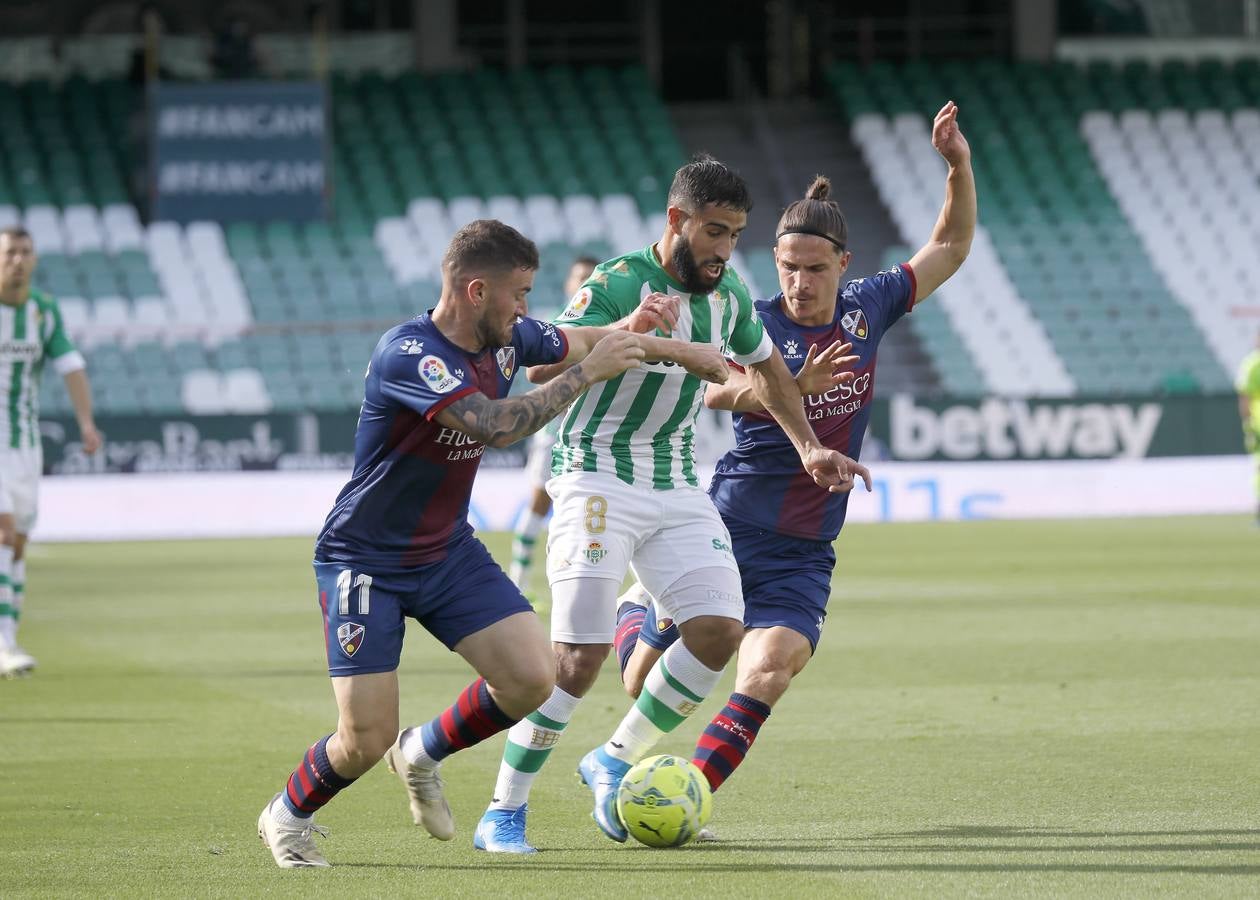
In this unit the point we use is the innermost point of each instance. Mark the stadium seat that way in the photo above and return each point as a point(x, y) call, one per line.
point(202, 392)
point(111, 315)
point(44, 224)
point(245, 392)
point(75, 316)
point(84, 230)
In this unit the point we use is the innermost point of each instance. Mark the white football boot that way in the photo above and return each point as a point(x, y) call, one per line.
point(15, 662)
point(424, 789)
point(291, 845)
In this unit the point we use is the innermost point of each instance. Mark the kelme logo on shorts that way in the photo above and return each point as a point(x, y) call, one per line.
point(350, 637)
point(594, 552)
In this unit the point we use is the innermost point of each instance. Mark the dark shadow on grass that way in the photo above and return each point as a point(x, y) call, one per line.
point(1014, 831)
point(640, 865)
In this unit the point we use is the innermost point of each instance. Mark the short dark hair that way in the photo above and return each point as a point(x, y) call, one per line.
point(816, 213)
point(486, 247)
point(15, 232)
point(704, 180)
point(584, 260)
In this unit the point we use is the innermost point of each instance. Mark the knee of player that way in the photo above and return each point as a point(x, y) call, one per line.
point(765, 682)
point(364, 745)
point(712, 639)
point(725, 634)
point(533, 688)
point(578, 665)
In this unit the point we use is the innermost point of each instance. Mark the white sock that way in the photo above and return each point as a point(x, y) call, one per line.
point(413, 749)
point(662, 706)
point(529, 743)
point(281, 813)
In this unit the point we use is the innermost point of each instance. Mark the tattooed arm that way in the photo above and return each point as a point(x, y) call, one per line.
point(499, 423)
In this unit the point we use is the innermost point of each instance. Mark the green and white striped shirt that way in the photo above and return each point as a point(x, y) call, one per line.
point(29, 334)
point(640, 426)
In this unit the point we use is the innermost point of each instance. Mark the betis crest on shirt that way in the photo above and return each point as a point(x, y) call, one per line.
point(506, 358)
point(854, 322)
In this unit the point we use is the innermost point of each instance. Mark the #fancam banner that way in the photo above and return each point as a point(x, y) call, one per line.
point(236, 151)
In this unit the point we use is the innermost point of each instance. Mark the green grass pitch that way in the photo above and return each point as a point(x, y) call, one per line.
point(996, 709)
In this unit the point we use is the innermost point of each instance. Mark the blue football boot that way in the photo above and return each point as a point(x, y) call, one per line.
point(503, 831)
point(602, 774)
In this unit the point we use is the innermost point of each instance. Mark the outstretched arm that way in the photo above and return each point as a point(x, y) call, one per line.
point(950, 243)
point(499, 423)
point(702, 360)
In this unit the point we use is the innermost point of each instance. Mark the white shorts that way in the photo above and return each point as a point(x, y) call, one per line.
point(601, 527)
point(538, 463)
point(20, 470)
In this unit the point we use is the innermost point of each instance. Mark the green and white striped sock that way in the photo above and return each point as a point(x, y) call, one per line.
point(523, 542)
point(9, 610)
point(674, 689)
point(529, 743)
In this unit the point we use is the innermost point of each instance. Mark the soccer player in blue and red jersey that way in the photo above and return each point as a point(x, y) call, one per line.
point(782, 525)
point(397, 543)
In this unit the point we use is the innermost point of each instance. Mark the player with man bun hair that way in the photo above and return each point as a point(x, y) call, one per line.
point(782, 528)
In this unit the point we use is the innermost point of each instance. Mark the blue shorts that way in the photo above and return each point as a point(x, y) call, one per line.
point(364, 613)
point(787, 580)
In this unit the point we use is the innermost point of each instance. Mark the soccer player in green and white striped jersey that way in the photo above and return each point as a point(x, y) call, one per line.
point(626, 494)
point(31, 333)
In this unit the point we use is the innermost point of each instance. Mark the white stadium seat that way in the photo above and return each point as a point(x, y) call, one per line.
point(83, 227)
point(111, 315)
point(44, 225)
point(202, 392)
point(245, 392)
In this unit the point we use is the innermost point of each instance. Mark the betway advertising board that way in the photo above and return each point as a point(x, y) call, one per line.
point(914, 429)
point(238, 151)
point(903, 428)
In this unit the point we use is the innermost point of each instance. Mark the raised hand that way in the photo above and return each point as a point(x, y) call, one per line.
point(823, 370)
point(948, 138)
point(656, 312)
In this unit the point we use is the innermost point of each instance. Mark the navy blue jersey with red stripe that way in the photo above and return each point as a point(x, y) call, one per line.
point(407, 500)
point(761, 480)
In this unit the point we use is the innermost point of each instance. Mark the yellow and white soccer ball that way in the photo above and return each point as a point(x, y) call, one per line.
point(664, 801)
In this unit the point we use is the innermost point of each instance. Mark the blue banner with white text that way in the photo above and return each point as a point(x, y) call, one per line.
point(238, 151)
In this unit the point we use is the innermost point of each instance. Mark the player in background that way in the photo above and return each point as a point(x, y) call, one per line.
point(397, 542)
point(1248, 386)
point(31, 333)
point(626, 494)
point(538, 465)
point(782, 528)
